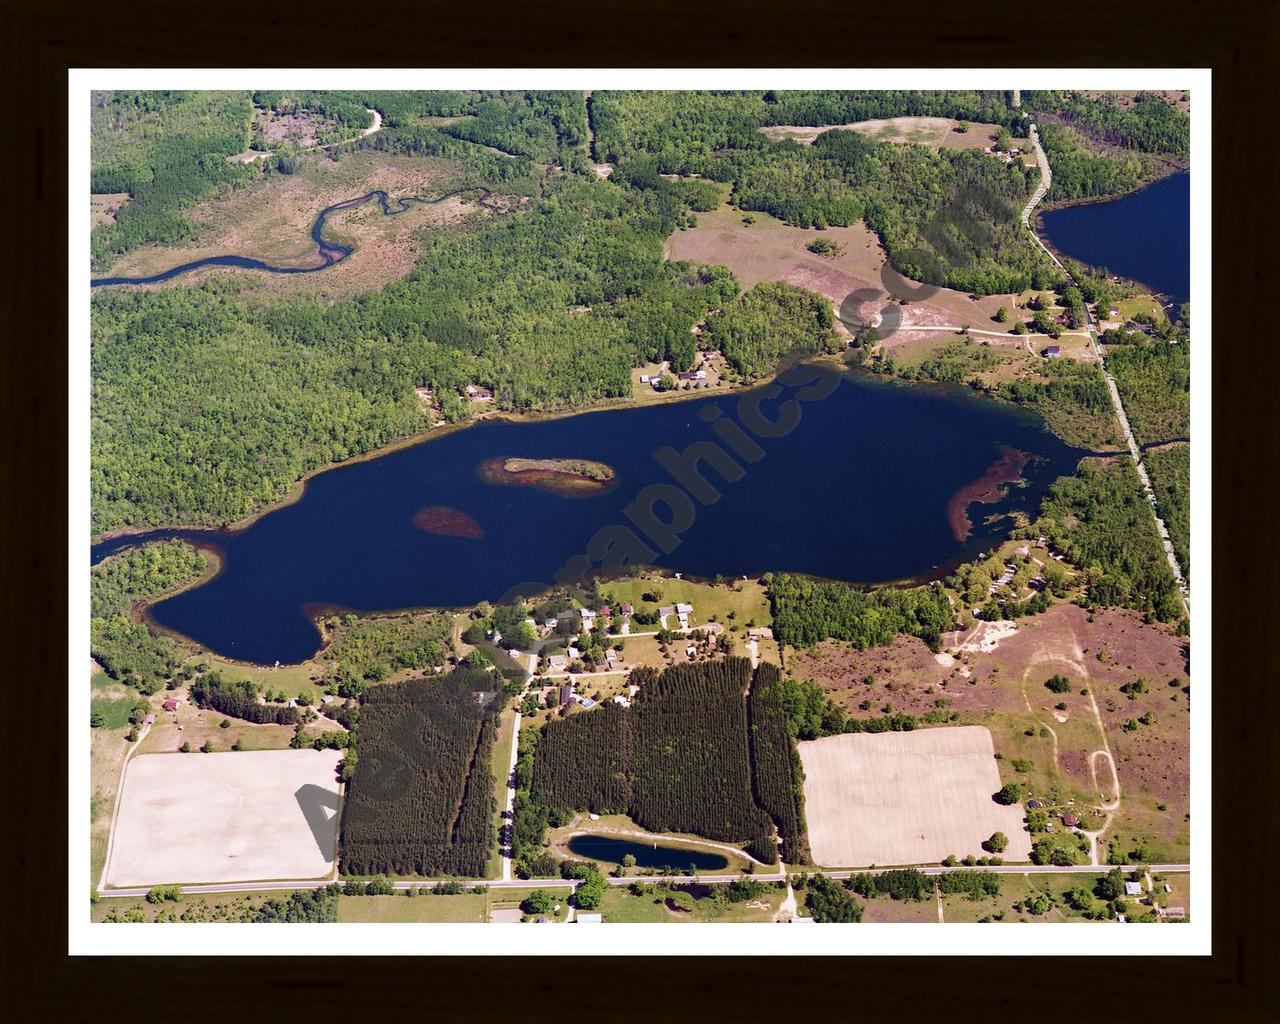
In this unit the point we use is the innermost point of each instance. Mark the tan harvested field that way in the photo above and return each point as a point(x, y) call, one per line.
point(769, 250)
point(905, 797)
point(271, 220)
point(227, 817)
point(937, 132)
point(104, 207)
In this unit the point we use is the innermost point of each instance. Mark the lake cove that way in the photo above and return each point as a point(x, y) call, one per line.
point(834, 474)
point(1144, 236)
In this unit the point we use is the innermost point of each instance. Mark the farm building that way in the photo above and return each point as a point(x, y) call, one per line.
point(566, 693)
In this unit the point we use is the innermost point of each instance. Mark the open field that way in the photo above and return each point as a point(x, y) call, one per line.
point(905, 798)
point(1045, 748)
point(620, 906)
point(104, 206)
point(226, 817)
point(214, 908)
point(936, 132)
point(466, 907)
point(769, 250)
point(271, 220)
point(107, 750)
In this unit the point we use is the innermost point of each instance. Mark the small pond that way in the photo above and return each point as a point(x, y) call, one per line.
point(647, 855)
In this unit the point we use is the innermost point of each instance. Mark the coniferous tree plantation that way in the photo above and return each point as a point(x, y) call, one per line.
point(683, 758)
point(421, 799)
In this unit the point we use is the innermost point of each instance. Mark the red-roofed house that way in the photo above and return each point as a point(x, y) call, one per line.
point(171, 705)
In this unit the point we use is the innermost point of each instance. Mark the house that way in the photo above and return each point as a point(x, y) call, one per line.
point(644, 378)
point(664, 612)
point(573, 653)
point(1033, 805)
point(627, 609)
point(586, 702)
point(684, 609)
point(684, 620)
point(171, 704)
point(619, 699)
point(589, 919)
point(690, 651)
point(1052, 351)
point(588, 617)
point(557, 663)
point(1070, 820)
point(762, 633)
point(478, 393)
point(566, 693)
point(1133, 888)
point(606, 611)
point(148, 719)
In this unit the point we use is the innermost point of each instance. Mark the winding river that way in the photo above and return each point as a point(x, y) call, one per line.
point(329, 252)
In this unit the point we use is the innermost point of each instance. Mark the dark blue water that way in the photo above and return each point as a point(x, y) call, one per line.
point(329, 252)
point(1145, 236)
point(857, 491)
point(647, 855)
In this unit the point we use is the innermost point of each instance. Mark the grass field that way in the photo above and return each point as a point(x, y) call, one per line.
point(211, 909)
point(935, 132)
point(620, 906)
point(466, 907)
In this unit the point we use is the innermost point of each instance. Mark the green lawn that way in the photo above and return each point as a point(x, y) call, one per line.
point(468, 907)
point(745, 599)
point(620, 906)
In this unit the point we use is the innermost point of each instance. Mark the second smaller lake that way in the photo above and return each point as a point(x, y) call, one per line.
point(647, 855)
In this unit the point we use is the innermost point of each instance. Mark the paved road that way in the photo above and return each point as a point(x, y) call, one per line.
point(534, 883)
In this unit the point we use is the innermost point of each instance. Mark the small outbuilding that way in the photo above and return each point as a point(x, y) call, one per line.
point(1133, 888)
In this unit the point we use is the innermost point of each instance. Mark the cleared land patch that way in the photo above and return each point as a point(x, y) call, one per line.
point(905, 798)
point(938, 132)
point(769, 250)
point(226, 817)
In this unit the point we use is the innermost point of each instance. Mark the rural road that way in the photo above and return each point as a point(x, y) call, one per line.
point(534, 883)
point(1045, 180)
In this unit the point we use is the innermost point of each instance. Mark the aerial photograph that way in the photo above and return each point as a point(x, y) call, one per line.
point(638, 506)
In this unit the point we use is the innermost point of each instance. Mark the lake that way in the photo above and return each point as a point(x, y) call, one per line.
point(1145, 236)
point(647, 855)
point(861, 489)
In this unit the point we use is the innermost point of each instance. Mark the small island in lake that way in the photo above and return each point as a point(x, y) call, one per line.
point(447, 522)
point(570, 477)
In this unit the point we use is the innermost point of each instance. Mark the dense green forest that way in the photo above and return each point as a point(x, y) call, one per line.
point(1073, 399)
point(207, 407)
point(1081, 171)
point(167, 150)
point(945, 217)
point(1170, 472)
point(1154, 381)
point(126, 649)
point(1101, 521)
point(420, 800)
point(372, 647)
point(767, 323)
point(1098, 146)
point(807, 610)
point(682, 758)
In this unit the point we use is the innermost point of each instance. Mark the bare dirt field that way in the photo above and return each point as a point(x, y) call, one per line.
point(104, 207)
point(905, 797)
point(769, 250)
point(937, 132)
point(272, 221)
point(226, 817)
